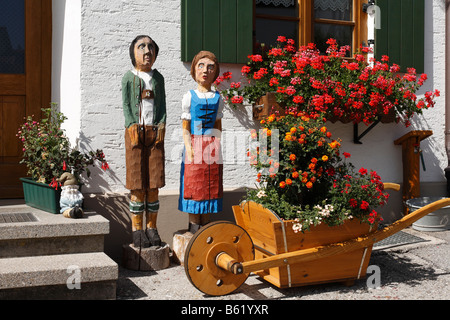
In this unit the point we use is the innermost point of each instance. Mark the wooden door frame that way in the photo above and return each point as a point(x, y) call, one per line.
point(38, 26)
point(35, 84)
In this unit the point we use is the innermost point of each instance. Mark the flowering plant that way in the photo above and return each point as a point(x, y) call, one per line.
point(330, 84)
point(311, 181)
point(47, 152)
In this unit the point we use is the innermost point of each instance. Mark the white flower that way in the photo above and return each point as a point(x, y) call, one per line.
point(297, 227)
point(261, 194)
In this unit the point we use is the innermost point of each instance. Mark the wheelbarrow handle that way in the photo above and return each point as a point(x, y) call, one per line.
point(391, 186)
point(342, 247)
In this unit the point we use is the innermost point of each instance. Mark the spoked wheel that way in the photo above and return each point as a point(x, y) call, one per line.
point(221, 238)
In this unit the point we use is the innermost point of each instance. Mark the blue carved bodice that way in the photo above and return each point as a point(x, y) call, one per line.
point(203, 113)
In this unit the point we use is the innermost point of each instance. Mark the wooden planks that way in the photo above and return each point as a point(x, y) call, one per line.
point(274, 238)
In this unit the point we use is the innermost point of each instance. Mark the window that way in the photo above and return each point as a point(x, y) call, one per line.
point(233, 29)
point(310, 21)
point(12, 37)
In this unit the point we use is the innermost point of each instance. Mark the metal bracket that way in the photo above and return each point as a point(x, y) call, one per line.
point(357, 137)
point(366, 6)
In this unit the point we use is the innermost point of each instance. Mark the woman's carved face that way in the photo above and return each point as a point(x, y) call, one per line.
point(205, 71)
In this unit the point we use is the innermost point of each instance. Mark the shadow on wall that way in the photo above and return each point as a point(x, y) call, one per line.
point(114, 207)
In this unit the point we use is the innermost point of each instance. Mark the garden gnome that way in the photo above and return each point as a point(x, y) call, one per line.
point(71, 198)
point(144, 107)
point(201, 187)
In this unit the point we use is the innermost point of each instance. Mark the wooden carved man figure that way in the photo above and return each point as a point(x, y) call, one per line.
point(201, 188)
point(144, 107)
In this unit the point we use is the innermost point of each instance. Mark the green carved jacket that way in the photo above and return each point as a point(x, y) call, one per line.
point(132, 87)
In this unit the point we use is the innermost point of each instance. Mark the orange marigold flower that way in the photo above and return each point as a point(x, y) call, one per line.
point(288, 182)
point(334, 144)
point(324, 158)
point(295, 174)
point(293, 130)
point(268, 132)
point(309, 185)
point(292, 157)
point(323, 129)
point(282, 184)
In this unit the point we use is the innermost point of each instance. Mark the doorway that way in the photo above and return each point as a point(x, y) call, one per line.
point(25, 80)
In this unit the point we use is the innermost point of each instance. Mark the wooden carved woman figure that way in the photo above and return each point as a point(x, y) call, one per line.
point(144, 107)
point(201, 184)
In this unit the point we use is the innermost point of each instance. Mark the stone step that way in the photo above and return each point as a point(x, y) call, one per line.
point(26, 231)
point(68, 276)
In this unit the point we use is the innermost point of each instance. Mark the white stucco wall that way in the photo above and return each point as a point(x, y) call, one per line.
point(66, 63)
point(95, 110)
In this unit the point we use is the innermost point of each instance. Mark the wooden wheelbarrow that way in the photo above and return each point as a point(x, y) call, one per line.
point(221, 255)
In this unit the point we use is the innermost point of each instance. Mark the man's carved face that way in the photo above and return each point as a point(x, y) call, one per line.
point(144, 53)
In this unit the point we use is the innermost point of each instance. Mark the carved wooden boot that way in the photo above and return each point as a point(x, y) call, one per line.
point(152, 231)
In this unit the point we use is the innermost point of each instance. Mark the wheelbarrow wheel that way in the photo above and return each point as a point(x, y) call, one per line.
point(203, 250)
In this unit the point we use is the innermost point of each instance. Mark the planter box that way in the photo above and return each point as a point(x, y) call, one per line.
point(265, 106)
point(271, 236)
point(41, 196)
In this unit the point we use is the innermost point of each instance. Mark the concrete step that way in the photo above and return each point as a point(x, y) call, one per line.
point(26, 231)
point(67, 276)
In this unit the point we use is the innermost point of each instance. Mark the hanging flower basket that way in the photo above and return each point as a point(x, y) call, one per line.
point(330, 85)
point(388, 117)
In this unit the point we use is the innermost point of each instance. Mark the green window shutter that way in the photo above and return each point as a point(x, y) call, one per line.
point(224, 27)
point(401, 36)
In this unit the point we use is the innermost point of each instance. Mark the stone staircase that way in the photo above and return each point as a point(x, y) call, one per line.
point(47, 256)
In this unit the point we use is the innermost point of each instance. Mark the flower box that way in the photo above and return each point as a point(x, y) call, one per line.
point(271, 236)
point(41, 196)
point(328, 84)
point(265, 106)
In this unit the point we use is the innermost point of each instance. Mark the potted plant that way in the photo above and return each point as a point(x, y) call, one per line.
point(308, 194)
point(311, 181)
point(329, 84)
point(47, 154)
